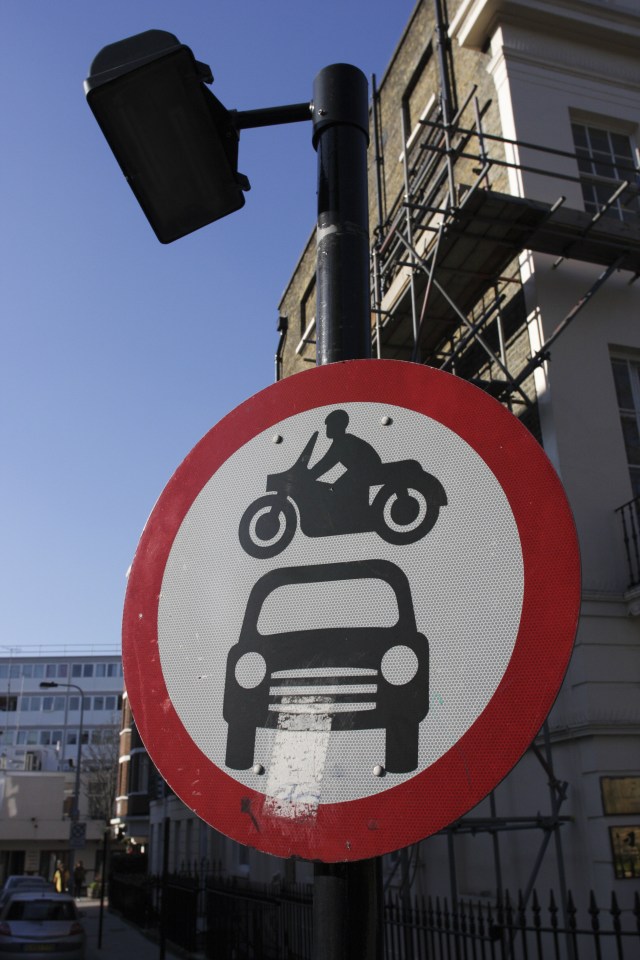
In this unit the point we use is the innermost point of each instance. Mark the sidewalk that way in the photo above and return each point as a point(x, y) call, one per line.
point(120, 939)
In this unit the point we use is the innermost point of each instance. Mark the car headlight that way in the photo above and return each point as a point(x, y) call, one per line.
point(399, 665)
point(250, 670)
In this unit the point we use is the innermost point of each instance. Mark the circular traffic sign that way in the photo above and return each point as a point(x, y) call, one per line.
point(351, 610)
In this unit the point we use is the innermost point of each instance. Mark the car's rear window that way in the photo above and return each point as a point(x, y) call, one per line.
point(41, 910)
point(366, 602)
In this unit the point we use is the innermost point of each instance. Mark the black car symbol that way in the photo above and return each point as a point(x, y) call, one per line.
point(360, 677)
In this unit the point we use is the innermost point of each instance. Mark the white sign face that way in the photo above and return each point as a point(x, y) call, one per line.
point(351, 610)
point(466, 585)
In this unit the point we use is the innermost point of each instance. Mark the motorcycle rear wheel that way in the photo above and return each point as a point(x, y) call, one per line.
point(267, 526)
point(408, 513)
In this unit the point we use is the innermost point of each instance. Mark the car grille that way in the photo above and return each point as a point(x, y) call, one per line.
point(323, 690)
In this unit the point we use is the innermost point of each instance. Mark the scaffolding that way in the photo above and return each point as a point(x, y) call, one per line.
point(447, 291)
point(446, 271)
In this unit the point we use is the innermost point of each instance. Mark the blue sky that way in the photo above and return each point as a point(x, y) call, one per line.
point(118, 353)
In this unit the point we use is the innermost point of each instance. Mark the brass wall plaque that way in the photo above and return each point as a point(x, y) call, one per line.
point(625, 847)
point(620, 795)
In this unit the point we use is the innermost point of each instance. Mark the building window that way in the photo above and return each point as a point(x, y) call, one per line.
point(27, 737)
point(417, 92)
point(76, 670)
point(98, 703)
point(10, 671)
point(8, 704)
point(87, 670)
point(139, 773)
point(51, 669)
point(74, 704)
point(605, 159)
point(63, 669)
point(626, 375)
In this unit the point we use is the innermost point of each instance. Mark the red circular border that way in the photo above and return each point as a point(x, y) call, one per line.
point(456, 782)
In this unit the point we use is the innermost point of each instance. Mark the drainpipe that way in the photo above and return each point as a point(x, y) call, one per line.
point(283, 326)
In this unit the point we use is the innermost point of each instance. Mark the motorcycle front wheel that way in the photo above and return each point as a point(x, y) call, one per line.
point(267, 526)
point(404, 514)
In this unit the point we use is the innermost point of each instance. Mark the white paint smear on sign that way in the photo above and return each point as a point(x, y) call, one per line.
point(297, 765)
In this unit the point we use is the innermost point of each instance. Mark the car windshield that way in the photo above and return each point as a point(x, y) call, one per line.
point(364, 602)
point(41, 910)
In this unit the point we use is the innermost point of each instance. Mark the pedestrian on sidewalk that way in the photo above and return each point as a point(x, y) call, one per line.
point(78, 879)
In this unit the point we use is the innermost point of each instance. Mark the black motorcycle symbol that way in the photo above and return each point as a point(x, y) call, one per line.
point(399, 501)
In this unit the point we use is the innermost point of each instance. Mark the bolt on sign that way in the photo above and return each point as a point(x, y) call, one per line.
point(351, 610)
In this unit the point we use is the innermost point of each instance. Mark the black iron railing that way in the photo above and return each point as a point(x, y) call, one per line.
point(233, 917)
point(630, 519)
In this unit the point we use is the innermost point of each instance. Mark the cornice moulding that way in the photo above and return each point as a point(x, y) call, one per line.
point(552, 53)
point(603, 23)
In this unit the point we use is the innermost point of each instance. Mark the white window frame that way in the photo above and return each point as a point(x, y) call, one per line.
point(625, 207)
point(633, 366)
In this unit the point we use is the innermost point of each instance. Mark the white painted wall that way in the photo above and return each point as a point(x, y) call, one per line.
point(551, 63)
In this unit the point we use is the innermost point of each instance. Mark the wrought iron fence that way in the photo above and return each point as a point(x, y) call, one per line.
point(247, 920)
point(509, 931)
point(235, 918)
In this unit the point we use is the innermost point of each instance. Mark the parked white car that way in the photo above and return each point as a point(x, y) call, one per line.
point(34, 922)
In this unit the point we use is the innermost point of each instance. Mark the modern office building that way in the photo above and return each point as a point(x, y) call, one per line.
point(56, 711)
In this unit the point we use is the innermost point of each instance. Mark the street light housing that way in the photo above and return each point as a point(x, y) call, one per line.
point(174, 140)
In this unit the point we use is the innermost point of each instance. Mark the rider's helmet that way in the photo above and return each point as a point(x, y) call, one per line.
point(337, 422)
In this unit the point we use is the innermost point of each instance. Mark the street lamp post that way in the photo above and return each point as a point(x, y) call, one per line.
point(48, 684)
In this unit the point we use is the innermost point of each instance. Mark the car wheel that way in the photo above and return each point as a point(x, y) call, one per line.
point(240, 747)
point(402, 748)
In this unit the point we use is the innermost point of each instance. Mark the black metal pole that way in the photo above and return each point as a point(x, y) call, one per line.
point(105, 863)
point(163, 897)
point(341, 137)
point(347, 915)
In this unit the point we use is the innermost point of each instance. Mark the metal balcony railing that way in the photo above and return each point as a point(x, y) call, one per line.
point(630, 519)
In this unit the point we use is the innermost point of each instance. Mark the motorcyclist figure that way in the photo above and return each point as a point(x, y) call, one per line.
point(362, 464)
point(398, 500)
